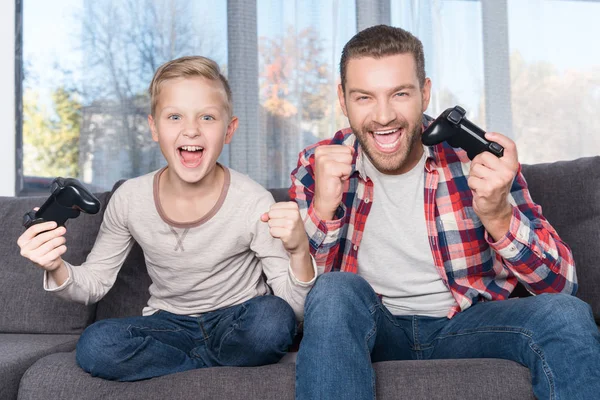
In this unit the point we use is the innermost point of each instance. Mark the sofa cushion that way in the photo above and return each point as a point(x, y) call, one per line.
point(26, 307)
point(58, 377)
point(569, 193)
point(19, 351)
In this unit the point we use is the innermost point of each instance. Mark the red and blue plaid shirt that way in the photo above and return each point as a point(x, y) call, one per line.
point(471, 265)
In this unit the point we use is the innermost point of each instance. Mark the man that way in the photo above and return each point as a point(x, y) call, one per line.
point(428, 244)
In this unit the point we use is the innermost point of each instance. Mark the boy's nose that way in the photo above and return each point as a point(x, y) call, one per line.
point(191, 130)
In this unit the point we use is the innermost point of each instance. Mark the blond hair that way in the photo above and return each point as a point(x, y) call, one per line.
point(188, 67)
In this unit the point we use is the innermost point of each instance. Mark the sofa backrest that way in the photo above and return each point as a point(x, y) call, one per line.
point(569, 193)
point(24, 305)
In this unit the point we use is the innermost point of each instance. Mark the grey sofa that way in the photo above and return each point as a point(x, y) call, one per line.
point(38, 332)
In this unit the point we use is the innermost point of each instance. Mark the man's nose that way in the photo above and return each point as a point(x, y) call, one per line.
point(384, 114)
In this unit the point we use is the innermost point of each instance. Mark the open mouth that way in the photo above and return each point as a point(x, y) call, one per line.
point(387, 140)
point(190, 156)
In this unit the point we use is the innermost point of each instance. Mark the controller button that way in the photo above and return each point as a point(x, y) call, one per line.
point(496, 147)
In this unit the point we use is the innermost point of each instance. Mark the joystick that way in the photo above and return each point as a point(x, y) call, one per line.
point(69, 197)
point(453, 127)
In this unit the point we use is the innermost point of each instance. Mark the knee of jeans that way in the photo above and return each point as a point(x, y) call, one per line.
point(563, 312)
point(277, 323)
point(96, 346)
point(338, 288)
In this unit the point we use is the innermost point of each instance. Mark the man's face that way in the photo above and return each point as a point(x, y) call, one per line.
point(384, 104)
point(191, 124)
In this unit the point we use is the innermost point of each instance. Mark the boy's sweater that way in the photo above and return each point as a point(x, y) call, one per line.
point(197, 267)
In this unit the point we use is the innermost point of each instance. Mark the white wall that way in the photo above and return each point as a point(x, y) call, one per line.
point(7, 98)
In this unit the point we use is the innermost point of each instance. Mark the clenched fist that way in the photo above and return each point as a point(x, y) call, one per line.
point(333, 165)
point(286, 224)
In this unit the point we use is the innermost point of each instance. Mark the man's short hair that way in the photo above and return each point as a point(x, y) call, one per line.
point(381, 41)
point(188, 67)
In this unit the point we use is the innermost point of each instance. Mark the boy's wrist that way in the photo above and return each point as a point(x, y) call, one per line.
point(302, 266)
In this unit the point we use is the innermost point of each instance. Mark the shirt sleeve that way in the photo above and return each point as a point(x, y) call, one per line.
point(275, 261)
point(89, 282)
point(323, 236)
point(532, 250)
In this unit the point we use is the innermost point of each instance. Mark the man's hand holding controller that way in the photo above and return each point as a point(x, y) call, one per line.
point(333, 165)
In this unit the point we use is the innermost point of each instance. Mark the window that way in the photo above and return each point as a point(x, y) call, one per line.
point(85, 101)
point(299, 46)
point(555, 78)
point(516, 66)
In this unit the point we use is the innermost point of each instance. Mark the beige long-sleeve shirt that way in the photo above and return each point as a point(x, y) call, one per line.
point(198, 267)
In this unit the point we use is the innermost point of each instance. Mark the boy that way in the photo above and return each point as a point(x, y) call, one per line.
point(206, 239)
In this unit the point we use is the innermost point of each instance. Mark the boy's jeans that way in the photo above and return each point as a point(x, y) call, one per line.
point(256, 332)
point(346, 328)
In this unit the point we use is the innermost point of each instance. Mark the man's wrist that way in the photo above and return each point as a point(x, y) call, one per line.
point(323, 215)
point(498, 225)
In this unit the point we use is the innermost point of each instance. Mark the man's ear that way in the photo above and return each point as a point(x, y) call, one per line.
point(231, 128)
point(426, 93)
point(152, 126)
point(342, 99)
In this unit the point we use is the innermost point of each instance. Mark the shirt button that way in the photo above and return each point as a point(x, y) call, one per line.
point(512, 248)
point(355, 248)
point(367, 200)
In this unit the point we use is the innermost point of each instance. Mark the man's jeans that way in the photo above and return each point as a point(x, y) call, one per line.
point(346, 328)
point(256, 332)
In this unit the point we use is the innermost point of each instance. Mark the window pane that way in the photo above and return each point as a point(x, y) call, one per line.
point(300, 44)
point(555, 78)
point(85, 101)
point(452, 40)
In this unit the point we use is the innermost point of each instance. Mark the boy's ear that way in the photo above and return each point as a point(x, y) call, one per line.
point(231, 128)
point(152, 126)
point(342, 99)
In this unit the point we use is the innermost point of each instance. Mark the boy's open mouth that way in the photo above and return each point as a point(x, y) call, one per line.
point(190, 156)
point(387, 140)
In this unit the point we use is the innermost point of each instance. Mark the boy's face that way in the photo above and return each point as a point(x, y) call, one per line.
point(191, 125)
point(384, 104)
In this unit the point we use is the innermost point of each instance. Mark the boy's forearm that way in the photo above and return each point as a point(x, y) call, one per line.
point(60, 274)
point(302, 266)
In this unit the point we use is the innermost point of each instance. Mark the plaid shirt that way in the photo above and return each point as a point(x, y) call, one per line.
point(471, 265)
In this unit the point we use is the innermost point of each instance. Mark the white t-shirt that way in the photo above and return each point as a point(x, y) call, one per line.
point(394, 255)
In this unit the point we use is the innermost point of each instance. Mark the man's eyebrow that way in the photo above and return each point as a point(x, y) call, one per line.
point(408, 86)
point(359, 91)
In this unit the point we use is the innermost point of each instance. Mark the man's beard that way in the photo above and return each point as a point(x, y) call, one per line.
point(389, 163)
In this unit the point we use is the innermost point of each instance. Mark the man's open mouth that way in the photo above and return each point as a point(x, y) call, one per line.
point(387, 139)
point(190, 156)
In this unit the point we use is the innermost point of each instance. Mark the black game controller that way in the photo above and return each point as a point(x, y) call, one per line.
point(458, 131)
point(69, 197)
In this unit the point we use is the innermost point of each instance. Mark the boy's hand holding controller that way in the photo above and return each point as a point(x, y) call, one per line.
point(44, 244)
point(333, 165)
point(285, 223)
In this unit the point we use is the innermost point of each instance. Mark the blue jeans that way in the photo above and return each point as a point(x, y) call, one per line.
point(346, 328)
point(256, 332)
